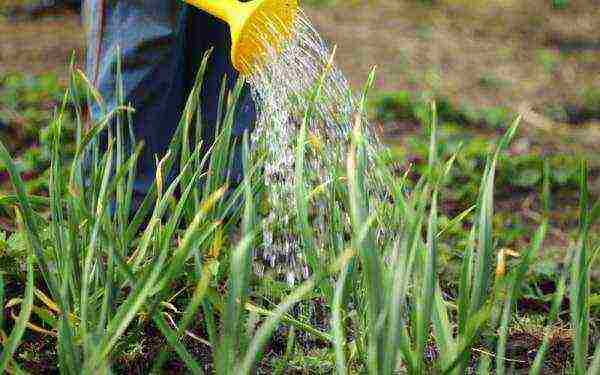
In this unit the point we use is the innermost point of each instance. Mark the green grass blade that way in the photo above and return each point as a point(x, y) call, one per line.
point(289, 347)
point(30, 224)
point(337, 326)
point(187, 318)
point(429, 285)
point(288, 319)
point(249, 219)
point(455, 221)
point(595, 366)
point(140, 294)
point(484, 255)
point(192, 107)
point(413, 245)
point(174, 148)
point(2, 300)
point(90, 255)
point(239, 274)
point(580, 283)
point(121, 213)
point(172, 339)
point(222, 146)
point(182, 253)
point(484, 365)
point(595, 213)
point(403, 268)
point(63, 247)
point(466, 277)
point(56, 185)
point(233, 311)
point(432, 163)
point(557, 300)
point(34, 200)
point(450, 163)
point(368, 254)
point(362, 107)
point(443, 329)
point(160, 208)
point(16, 334)
point(466, 341)
point(513, 295)
point(267, 328)
point(302, 200)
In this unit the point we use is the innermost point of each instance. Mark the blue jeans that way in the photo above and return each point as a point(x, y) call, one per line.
point(162, 43)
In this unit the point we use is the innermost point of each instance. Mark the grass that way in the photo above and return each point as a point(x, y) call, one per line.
point(96, 275)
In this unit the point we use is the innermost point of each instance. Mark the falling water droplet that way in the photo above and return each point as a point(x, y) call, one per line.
point(282, 88)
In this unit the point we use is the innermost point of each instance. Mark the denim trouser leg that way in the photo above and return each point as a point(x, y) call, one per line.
point(161, 43)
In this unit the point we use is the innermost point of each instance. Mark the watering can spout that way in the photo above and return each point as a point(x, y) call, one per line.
point(256, 27)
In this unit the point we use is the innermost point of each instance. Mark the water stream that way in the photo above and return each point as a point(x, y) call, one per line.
point(281, 89)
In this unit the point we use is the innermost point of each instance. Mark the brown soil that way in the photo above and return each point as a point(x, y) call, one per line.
point(40, 45)
point(484, 53)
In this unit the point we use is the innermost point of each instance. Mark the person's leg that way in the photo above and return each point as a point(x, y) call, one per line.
point(162, 44)
point(149, 36)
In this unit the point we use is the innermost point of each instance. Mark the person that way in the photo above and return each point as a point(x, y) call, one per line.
point(162, 44)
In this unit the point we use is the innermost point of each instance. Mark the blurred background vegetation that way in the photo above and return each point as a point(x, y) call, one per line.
point(484, 62)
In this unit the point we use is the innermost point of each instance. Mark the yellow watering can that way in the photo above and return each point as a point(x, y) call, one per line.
point(255, 26)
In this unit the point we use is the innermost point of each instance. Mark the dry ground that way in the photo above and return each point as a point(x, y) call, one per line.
point(41, 45)
point(496, 52)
